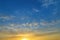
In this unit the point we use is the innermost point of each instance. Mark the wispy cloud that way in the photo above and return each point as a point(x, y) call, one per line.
point(31, 27)
point(7, 17)
point(46, 3)
point(35, 10)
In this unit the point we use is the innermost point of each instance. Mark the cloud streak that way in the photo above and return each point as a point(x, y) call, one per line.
point(42, 27)
point(47, 3)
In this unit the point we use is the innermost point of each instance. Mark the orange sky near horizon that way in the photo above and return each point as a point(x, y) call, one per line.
point(30, 36)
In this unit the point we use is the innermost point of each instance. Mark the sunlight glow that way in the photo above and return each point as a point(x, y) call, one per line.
point(24, 39)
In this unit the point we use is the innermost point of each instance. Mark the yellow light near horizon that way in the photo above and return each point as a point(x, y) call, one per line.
point(24, 39)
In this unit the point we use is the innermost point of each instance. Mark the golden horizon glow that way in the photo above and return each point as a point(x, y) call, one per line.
point(24, 39)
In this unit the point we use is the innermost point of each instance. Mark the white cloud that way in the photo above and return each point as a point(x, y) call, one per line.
point(46, 3)
point(29, 27)
point(18, 27)
point(52, 23)
point(6, 18)
point(35, 10)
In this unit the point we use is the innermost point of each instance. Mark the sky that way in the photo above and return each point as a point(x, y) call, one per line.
point(38, 17)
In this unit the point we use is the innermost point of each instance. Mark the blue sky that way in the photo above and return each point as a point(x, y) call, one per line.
point(31, 15)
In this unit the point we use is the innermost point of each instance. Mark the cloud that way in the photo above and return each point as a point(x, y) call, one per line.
point(46, 34)
point(50, 26)
point(16, 28)
point(46, 3)
point(7, 17)
point(35, 10)
point(46, 23)
point(42, 27)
